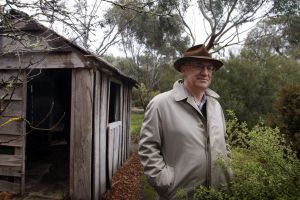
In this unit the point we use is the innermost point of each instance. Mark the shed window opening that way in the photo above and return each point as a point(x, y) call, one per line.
point(8, 150)
point(114, 102)
point(7, 178)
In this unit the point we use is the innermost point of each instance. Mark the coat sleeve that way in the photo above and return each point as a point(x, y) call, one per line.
point(160, 175)
point(228, 149)
point(229, 174)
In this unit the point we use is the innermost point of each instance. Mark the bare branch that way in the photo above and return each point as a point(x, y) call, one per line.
point(19, 118)
point(201, 7)
point(235, 34)
point(228, 17)
point(138, 9)
point(211, 10)
point(190, 33)
point(219, 27)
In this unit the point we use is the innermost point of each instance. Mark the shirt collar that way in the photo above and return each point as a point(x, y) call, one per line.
point(203, 101)
point(180, 93)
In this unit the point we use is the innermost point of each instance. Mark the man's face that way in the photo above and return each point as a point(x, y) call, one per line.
point(197, 75)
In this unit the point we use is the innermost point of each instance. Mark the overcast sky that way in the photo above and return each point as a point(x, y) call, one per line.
point(193, 18)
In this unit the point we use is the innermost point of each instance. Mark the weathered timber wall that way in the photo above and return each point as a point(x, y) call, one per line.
point(81, 134)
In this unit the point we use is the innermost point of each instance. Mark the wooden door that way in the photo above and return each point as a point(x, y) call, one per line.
point(13, 92)
point(113, 149)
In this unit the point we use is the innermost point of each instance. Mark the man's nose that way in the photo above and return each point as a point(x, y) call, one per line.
point(204, 70)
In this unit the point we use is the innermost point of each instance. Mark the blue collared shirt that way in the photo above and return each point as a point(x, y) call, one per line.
point(202, 106)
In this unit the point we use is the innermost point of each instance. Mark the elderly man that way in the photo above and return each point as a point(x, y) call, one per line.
point(183, 133)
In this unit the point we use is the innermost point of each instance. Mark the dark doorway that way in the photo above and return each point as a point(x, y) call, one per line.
point(114, 102)
point(48, 135)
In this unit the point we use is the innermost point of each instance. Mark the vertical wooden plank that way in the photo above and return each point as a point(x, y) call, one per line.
point(115, 129)
point(72, 124)
point(125, 122)
point(113, 154)
point(112, 148)
point(116, 149)
point(13, 166)
point(10, 186)
point(120, 136)
point(110, 155)
point(124, 133)
point(129, 90)
point(103, 133)
point(96, 137)
point(81, 134)
point(122, 128)
point(24, 96)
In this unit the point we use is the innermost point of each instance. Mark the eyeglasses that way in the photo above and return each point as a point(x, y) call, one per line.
point(195, 66)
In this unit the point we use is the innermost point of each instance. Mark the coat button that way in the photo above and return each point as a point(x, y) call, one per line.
point(201, 125)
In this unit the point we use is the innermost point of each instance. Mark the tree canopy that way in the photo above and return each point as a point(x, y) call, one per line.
point(152, 34)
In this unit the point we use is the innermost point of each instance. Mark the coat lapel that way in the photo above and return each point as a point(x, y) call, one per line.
point(180, 94)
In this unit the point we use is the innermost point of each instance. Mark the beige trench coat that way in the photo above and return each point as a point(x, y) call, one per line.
point(179, 147)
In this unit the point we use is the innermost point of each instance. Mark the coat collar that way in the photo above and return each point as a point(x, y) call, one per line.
point(180, 93)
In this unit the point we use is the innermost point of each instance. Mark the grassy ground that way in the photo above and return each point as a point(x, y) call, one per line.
point(148, 191)
point(136, 123)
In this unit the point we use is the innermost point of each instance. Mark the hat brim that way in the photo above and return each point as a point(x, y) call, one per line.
point(178, 63)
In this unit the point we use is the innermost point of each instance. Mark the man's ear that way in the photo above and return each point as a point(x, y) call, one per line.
point(182, 69)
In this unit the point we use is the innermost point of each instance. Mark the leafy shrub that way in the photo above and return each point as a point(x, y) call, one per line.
point(287, 114)
point(264, 166)
point(143, 95)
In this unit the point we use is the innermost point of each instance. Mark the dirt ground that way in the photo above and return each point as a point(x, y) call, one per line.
point(127, 182)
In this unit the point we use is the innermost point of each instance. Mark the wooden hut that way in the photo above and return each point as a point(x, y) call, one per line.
point(63, 110)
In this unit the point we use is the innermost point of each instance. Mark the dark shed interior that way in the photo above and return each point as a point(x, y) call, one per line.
point(48, 138)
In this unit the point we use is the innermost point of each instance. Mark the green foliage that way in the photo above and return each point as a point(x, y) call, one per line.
point(286, 7)
point(286, 115)
point(249, 84)
point(145, 95)
point(264, 166)
point(136, 124)
point(161, 33)
point(205, 193)
point(168, 77)
point(291, 29)
point(274, 35)
point(242, 84)
point(151, 82)
point(226, 16)
point(149, 41)
point(182, 193)
point(148, 191)
point(237, 132)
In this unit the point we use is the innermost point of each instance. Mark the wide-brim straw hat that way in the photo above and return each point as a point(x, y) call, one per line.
point(197, 53)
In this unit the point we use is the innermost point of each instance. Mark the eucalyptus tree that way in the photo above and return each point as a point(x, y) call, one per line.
point(225, 18)
point(81, 21)
point(150, 39)
point(280, 35)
